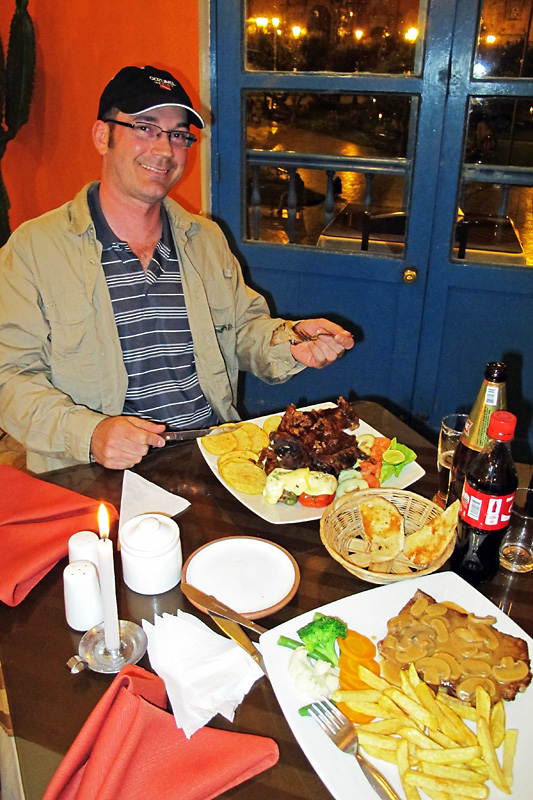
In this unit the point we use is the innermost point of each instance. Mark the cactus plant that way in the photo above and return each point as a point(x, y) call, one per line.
point(16, 89)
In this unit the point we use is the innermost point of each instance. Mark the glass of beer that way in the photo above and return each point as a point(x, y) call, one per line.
point(451, 429)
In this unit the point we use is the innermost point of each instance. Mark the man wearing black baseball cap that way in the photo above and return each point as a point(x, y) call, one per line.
point(121, 313)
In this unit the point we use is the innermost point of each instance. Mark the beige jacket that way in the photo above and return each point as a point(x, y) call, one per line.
point(61, 366)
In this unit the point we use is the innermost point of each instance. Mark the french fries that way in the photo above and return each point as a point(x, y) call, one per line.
point(425, 734)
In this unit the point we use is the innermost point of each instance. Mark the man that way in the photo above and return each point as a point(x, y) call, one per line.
point(121, 313)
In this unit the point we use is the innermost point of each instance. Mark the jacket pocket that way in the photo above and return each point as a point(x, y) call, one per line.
point(73, 336)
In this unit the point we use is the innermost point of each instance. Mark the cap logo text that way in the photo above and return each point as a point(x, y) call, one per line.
point(163, 83)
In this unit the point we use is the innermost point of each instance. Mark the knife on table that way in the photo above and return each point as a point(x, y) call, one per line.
point(212, 605)
point(187, 435)
point(235, 632)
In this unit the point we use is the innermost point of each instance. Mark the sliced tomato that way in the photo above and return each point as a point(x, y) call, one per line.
point(316, 500)
point(353, 716)
point(357, 646)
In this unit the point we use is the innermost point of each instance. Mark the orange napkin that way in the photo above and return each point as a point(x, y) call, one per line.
point(131, 749)
point(36, 521)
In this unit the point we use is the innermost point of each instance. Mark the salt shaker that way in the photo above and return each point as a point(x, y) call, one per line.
point(83, 602)
point(82, 547)
point(150, 549)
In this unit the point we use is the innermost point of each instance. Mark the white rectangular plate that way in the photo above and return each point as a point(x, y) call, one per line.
point(281, 513)
point(368, 613)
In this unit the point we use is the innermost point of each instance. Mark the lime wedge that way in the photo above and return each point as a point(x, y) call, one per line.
point(393, 456)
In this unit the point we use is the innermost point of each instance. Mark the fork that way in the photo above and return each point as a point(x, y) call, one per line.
point(342, 733)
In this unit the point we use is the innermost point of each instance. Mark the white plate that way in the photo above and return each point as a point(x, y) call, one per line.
point(281, 513)
point(253, 576)
point(340, 772)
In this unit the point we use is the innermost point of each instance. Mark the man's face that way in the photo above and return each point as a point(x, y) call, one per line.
point(141, 170)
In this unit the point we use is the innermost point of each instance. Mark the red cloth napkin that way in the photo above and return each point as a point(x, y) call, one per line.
point(36, 521)
point(131, 749)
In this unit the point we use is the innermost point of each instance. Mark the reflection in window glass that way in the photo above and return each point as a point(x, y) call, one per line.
point(500, 131)
point(495, 224)
point(505, 47)
point(343, 229)
point(341, 124)
point(345, 36)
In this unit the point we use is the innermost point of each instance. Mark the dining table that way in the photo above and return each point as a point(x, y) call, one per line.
point(47, 704)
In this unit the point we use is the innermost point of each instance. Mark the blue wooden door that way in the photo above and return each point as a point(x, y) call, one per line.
point(408, 304)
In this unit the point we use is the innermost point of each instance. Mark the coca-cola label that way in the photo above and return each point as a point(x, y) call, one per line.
point(485, 511)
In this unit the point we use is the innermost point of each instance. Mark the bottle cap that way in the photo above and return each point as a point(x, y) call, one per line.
point(502, 426)
point(496, 371)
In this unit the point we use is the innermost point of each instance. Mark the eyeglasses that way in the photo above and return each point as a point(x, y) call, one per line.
point(150, 132)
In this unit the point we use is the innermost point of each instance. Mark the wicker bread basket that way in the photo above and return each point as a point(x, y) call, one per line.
point(341, 531)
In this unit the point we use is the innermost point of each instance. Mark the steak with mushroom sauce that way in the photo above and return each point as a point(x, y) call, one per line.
point(454, 650)
point(316, 439)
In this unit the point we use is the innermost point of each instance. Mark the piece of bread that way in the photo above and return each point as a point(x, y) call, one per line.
point(429, 542)
point(383, 529)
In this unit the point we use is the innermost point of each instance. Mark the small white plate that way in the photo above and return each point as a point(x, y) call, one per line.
point(368, 613)
point(252, 576)
point(282, 514)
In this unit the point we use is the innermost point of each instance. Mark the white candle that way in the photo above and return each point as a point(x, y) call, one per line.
point(106, 572)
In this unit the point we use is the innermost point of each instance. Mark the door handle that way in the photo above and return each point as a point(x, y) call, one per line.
point(410, 275)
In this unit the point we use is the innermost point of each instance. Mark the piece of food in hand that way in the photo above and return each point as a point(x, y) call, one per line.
point(243, 475)
point(429, 542)
point(384, 529)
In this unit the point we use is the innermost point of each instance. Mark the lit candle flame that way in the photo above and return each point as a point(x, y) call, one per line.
point(103, 521)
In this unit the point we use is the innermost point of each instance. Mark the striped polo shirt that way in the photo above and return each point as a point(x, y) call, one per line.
point(153, 328)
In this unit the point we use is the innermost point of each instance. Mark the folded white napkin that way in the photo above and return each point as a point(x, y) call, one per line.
point(140, 496)
point(204, 673)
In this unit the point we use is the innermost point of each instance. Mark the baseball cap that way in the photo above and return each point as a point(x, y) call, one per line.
point(137, 89)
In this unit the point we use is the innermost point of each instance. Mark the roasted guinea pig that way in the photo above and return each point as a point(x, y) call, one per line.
point(316, 439)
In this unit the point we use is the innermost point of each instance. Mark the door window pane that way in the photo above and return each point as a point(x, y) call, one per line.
point(350, 36)
point(505, 48)
point(495, 218)
point(312, 157)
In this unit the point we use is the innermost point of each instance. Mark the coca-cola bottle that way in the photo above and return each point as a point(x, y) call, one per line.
point(491, 397)
point(486, 503)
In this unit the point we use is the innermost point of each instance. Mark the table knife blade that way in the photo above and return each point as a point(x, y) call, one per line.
point(235, 632)
point(211, 604)
point(186, 435)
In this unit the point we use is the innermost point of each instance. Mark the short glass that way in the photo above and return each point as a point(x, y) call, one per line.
point(516, 549)
point(451, 428)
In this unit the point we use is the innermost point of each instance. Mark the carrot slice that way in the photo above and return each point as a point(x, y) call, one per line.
point(353, 716)
point(357, 646)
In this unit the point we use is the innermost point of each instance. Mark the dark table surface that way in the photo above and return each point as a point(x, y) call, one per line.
point(49, 705)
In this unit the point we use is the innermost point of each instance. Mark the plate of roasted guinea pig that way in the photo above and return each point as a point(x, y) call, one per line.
point(302, 445)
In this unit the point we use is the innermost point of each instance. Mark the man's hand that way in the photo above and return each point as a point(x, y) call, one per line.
point(331, 342)
point(121, 442)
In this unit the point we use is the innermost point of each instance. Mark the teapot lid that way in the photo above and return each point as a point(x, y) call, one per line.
point(149, 533)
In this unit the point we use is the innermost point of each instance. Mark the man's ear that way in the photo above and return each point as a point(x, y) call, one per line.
point(101, 136)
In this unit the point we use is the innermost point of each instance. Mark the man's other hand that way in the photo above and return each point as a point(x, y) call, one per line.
point(121, 442)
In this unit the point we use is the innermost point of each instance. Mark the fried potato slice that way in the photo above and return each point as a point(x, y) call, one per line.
point(244, 475)
point(271, 423)
point(244, 440)
point(220, 443)
point(257, 435)
point(250, 455)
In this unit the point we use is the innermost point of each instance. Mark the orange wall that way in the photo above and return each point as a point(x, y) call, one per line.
point(81, 44)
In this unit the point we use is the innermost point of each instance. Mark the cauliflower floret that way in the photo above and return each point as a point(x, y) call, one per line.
point(314, 678)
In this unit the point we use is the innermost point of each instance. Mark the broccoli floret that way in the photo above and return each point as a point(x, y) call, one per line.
point(320, 635)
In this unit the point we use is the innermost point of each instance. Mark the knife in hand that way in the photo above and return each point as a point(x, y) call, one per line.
point(212, 605)
point(187, 435)
point(235, 632)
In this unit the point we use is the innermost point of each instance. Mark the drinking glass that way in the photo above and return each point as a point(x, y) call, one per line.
point(516, 549)
point(451, 429)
